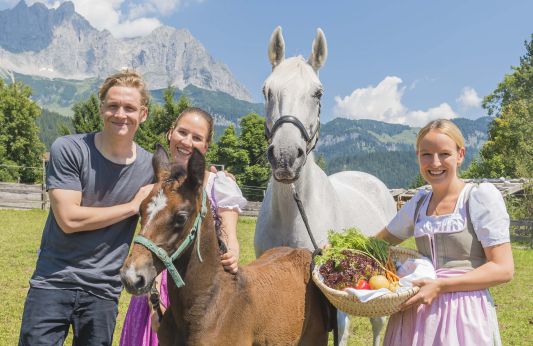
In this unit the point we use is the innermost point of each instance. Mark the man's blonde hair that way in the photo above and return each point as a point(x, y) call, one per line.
point(444, 126)
point(125, 78)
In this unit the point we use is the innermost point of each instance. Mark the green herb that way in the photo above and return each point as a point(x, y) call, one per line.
point(353, 239)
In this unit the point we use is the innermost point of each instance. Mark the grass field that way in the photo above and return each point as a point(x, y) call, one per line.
point(20, 234)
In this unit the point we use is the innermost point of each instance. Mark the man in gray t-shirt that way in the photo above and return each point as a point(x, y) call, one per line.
point(96, 183)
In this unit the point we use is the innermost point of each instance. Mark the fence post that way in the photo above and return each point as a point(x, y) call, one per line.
point(44, 195)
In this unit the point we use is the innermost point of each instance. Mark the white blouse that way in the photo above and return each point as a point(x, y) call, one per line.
point(223, 192)
point(487, 214)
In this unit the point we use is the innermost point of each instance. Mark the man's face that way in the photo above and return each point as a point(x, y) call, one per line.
point(122, 111)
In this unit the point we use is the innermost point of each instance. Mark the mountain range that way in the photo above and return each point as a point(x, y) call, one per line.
point(61, 44)
point(386, 150)
point(64, 60)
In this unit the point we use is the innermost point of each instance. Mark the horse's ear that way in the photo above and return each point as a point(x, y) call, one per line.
point(195, 170)
point(319, 51)
point(276, 47)
point(161, 163)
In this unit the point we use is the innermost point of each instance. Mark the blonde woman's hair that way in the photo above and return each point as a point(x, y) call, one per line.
point(444, 126)
point(195, 110)
point(126, 78)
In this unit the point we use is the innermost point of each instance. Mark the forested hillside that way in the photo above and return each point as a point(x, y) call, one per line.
point(49, 124)
point(385, 150)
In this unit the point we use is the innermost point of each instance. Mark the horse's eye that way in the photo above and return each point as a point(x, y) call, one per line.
point(318, 93)
point(180, 219)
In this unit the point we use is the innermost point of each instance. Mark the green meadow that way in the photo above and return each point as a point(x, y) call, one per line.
point(20, 234)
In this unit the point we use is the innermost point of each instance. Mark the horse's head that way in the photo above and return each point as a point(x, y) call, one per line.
point(292, 98)
point(167, 217)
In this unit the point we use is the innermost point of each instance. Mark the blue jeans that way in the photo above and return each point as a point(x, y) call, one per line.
point(48, 313)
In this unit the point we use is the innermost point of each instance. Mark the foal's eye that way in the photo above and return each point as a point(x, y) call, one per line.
point(180, 219)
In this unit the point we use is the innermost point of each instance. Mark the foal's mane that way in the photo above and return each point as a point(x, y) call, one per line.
point(179, 173)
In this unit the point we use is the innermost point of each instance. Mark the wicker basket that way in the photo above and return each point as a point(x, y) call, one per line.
point(385, 305)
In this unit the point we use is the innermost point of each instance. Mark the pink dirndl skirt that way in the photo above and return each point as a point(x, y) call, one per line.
point(456, 318)
point(137, 328)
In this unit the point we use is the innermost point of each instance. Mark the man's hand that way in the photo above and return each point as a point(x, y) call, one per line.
point(140, 196)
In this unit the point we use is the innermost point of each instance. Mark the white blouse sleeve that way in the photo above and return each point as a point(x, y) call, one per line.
point(226, 193)
point(402, 225)
point(489, 215)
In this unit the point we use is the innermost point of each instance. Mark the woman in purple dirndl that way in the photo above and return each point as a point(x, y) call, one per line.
point(193, 128)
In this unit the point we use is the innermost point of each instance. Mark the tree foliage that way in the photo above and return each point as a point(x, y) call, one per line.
point(160, 119)
point(244, 155)
point(87, 115)
point(321, 162)
point(19, 136)
point(509, 149)
point(52, 125)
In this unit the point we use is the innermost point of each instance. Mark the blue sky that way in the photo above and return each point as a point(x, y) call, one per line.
point(396, 61)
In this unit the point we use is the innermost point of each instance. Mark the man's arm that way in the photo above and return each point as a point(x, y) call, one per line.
point(72, 217)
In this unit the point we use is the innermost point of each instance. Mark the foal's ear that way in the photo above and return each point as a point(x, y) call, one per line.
point(195, 170)
point(161, 163)
point(276, 47)
point(319, 51)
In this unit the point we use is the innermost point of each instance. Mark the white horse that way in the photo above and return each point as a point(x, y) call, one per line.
point(346, 199)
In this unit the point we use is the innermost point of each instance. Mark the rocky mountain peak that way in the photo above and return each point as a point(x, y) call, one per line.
point(17, 36)
point(60, 43)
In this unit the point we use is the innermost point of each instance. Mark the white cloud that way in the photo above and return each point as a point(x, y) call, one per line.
point(421, 118)
point(383, 102)
point(123, 18)
point(469, 98)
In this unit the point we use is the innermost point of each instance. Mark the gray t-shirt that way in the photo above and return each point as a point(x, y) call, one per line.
point(91, 260)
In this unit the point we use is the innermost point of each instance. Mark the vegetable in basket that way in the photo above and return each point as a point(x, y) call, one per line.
point(353, 257)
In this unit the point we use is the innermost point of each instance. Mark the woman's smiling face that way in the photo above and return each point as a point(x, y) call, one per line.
point(439, 158)
point(191, 131)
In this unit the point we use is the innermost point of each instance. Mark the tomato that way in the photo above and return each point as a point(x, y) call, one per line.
point(362, 284)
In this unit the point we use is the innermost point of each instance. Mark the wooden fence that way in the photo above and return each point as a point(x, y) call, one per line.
point(23, 196)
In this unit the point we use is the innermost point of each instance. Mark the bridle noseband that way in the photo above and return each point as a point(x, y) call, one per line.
point(167, 260)
point(310, 140)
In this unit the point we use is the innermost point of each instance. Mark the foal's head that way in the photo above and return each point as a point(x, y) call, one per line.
point(292, 99)
point(167, 216)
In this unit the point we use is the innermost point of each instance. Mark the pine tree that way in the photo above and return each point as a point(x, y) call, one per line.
point(87, 115)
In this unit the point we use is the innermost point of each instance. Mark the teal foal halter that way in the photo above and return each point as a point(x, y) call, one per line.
point(167, 260)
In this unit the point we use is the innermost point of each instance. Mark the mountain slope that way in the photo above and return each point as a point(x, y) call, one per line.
point(60, 43)
point(386, 150)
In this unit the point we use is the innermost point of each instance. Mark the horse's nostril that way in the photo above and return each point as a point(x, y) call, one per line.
point(300, 152)
point(140, 283)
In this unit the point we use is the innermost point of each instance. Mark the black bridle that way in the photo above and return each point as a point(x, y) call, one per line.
point(310, 140)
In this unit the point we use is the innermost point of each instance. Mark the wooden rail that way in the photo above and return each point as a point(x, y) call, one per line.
point(23, 196)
